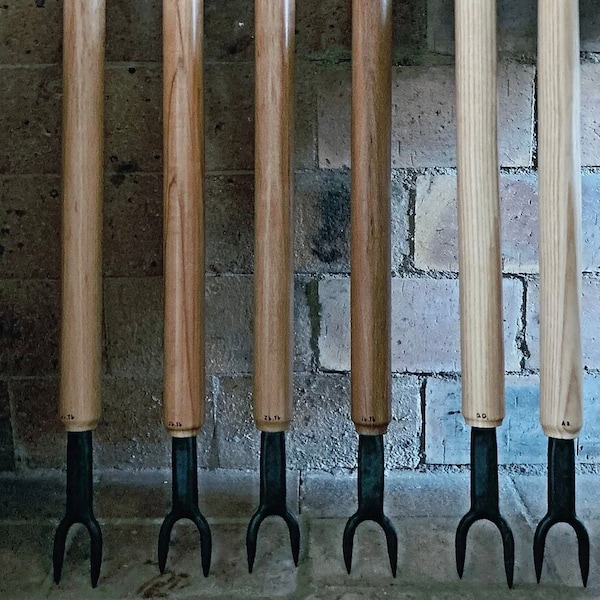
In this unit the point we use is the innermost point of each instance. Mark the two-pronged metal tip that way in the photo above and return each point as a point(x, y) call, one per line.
point(272, 495)
point(79, 506)
point(185, 502)
point(561, 505)
point(370, 499)
point(485, 500)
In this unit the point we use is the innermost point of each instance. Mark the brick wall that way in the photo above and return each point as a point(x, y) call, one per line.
point(427, 427)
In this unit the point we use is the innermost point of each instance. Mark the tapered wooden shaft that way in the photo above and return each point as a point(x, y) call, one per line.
point(560, 218)
point(83, 79)
point(370, 215)
point(183, 216)
point(481, 343)
point(273, 267)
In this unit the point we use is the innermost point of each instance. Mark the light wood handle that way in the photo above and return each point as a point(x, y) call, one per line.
point(183, 216)
point(560, 218)
point(273, 267)
point(83, 83)
point(370, 282)
point(480, 267)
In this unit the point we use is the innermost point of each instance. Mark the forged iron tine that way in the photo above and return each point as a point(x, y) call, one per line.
point(484, 500)
point(273, 494)
point(561, 506)
point(370, 500)
point(185, 502)
point(79, 505)
point(460, 540)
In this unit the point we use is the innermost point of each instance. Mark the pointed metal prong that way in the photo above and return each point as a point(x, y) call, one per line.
point(485, 500)
point(79, 505)
point(370, 499)
point(185, 502)
point(272, 495)
point(561, 506)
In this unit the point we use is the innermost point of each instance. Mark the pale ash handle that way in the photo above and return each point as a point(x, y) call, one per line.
point(83, 79)
point(273, 267)
point(480, 277)
point(371, 216)
point(560, 218)
point(183, 216)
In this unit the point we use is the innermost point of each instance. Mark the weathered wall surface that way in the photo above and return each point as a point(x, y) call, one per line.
point(427, 427)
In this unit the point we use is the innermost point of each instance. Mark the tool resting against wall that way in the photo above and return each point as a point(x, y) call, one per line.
point(80, 352)
point(561, 369)
point(370, 280)
point(273, 265)
point(183, 121)
point(480, 269)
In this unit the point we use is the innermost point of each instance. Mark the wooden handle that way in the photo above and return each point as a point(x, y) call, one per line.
point(273, 267)
point(482, 351)
point(560, 218)
point(183, 216)
point(83, 83)
point(370, 283)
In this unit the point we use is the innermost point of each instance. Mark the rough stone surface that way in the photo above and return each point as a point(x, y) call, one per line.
point(321, 436)
point(29, 318)
point(436, 230)
point(590, 122)
point(447, 436)
point(423, 120)
point(30, 120)
point(322, 221)
point(425, 336)
point(590, 328)
point(517, 24)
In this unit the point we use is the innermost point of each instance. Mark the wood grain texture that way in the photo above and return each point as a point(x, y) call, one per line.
point(480, 267)
point(370, 282)
point(560, 218)
point(183, 216)
point(83, 82)
point(273, 267)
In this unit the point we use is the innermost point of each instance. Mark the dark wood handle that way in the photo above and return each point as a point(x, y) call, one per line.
point(83, 82)
point(273, 267)
point(183, 216)
point(371, 215)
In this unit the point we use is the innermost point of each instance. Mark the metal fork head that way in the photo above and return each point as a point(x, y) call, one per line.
point(185, 502)
point(370, 499)
point(485, 500)
point(79, 506)
point(561, 505)
point(272, 495)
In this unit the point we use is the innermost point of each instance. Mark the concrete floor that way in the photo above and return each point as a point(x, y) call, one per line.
point(425, 508)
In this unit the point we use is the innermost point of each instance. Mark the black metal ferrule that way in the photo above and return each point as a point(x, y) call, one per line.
point(272, 470)
point(485, 499)
point(184, 464)
point(79, 503)
point(272, 495)
point(561, 477)
point(561, 505)
point(484, 472)
point(370, 499)
point(370, 475)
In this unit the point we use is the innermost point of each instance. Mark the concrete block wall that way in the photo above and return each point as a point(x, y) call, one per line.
point(427, 428)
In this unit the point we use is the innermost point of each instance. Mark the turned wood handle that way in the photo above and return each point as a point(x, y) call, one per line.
point(183, 216)
point(273, 267)
point(370, 281)
point(83, 82)
point(480, 267)
point(560, 218)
